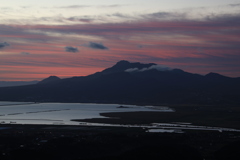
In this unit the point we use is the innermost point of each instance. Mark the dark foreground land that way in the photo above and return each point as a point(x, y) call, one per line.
point(60, 142)
point(109, 143)
point(227, 116)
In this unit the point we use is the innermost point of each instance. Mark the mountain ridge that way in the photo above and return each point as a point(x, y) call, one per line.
point(135, 83)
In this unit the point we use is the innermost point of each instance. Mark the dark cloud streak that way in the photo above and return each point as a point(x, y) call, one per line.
point(234, 5)
point(87, 6)
point(97, 46)
point(25, 53)
point(213, 23)
point(80, 19)
point(71, 49)
point(75, 6)
point(3, 45)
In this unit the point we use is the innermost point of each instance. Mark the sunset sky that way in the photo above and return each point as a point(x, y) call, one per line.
point(75, 38)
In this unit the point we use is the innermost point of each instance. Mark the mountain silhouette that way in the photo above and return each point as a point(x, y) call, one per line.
point(50, 79)
point(135, 83)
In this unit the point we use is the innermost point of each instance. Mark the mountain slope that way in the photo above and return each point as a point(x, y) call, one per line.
point(128, 82)
point(16, 83)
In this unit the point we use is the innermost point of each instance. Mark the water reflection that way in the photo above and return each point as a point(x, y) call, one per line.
point(62, 113)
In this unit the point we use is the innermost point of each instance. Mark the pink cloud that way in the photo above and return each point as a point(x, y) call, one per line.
point(197, 46)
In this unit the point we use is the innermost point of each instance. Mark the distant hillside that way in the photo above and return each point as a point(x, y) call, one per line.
point(127, 82)
point(16, 83)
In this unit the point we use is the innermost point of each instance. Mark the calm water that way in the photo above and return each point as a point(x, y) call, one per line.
point(62, 113)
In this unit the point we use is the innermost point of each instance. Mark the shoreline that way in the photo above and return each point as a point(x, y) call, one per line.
point(202, 115)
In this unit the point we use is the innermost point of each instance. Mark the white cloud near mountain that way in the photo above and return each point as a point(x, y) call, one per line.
point(156, 67)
